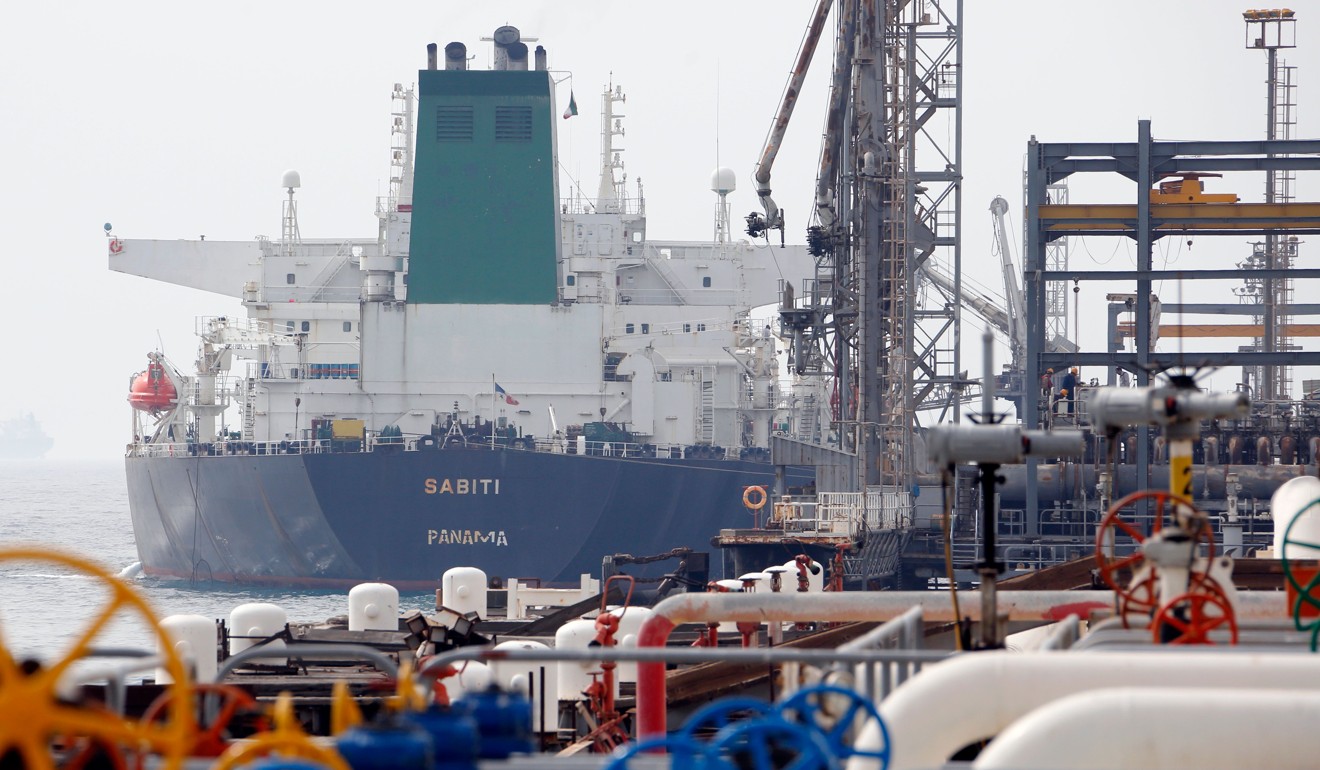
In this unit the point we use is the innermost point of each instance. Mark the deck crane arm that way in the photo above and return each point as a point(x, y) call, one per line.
point(773, 219)
point(984, 306)
point(1017, 331)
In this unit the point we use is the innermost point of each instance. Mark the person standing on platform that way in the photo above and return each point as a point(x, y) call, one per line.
point(1069, 384)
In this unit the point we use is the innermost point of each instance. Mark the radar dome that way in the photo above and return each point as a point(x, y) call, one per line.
point(723, 181)
point(291, 179)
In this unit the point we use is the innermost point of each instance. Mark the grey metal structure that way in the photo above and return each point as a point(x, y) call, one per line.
point(888, 201)
point(1270, 31)
point(1145, 162)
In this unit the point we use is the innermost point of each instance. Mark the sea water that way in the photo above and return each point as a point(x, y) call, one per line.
point(81, 508)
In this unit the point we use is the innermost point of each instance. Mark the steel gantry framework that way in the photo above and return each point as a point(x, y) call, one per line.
point(1146, 162)
point(888, 202)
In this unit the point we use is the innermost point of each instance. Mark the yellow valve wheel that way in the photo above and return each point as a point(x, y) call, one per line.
point(345, 713)
point(286, 739)
point(406, 695)
point(32, 714)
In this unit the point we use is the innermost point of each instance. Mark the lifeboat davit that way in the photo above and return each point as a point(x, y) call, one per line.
point(152, 391)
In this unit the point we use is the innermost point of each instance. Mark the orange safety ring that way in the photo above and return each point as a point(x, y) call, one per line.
point(760, 496)
point(116, 245)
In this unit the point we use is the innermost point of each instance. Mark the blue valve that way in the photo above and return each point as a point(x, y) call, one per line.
point(773, 743)
point(804, 708)
point(719, 714)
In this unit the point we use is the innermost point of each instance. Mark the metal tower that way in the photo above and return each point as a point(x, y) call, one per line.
point(888, 202)
point(1056, 257)
point(1272, 30)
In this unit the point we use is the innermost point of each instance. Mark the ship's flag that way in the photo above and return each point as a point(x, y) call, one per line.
point(572, 106)
point(510, 400)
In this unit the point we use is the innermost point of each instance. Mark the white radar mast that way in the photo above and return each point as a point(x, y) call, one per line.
point(722, 182)
point(289, 235)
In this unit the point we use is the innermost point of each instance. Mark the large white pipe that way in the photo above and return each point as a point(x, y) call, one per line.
point(1149, 729)
point(975, 697)
point(863, 605)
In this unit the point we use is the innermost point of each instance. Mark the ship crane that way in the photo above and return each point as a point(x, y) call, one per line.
point(1017, 330)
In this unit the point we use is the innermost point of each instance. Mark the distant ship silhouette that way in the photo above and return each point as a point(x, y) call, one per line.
point(22, 438)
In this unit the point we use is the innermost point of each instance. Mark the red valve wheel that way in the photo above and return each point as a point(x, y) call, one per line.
point(1114, 524)
point(1141, 597)
point(210, 741)
point(1193, 615)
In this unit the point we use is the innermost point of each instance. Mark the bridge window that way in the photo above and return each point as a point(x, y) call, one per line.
point(628, 329)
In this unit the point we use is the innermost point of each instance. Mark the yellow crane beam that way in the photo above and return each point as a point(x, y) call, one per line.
point(1128, 329)
point(1179, 217)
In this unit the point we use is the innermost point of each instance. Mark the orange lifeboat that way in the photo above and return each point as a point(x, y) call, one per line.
point(152, 391)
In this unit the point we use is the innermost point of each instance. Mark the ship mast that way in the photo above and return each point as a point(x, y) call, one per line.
point(401, 146)
point(611, 196)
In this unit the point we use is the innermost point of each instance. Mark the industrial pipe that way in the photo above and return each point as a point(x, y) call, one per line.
point(1148, 728)
point(972, 698)
point(857, 606)
point(786, 104)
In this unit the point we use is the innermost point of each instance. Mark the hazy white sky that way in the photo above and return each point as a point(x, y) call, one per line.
point(174, 120)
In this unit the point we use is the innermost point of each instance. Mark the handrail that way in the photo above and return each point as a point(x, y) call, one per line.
point(310, 651)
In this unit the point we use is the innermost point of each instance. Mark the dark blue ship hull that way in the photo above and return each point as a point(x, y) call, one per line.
point(336, 519)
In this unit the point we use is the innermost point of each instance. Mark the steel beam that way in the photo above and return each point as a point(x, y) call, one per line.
point(1173, 275)
point(1129, 361)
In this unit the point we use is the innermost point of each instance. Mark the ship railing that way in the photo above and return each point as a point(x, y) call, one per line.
point(699, 297)
point(389, 204)
point(846, 513)
point(311, 293)
point(838, 513)
point(584, 205)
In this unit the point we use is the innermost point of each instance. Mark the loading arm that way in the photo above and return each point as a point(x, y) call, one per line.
point(773, 219)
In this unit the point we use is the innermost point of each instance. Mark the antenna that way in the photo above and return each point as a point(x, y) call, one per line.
point(289, 235)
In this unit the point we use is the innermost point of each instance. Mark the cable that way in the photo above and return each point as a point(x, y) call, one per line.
point(948, 557)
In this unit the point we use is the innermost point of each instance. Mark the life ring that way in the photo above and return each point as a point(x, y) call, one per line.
point(757, 493)
point(116, 245)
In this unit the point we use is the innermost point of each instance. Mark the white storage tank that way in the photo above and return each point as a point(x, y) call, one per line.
point(463, 590)
point(373, 607)
point(529, 678)
point(1297, 497)
point(574, 675)
point(472, 676)
point(630, 626)
point(815, 577)
point(254, 622)
point(194, 640)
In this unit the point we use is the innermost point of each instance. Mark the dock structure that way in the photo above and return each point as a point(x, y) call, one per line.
point(1146, 220)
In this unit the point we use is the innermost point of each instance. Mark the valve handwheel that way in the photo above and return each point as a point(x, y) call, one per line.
point(32, 713)
point(772, 743)
point(210, 740)
point(1141, 597)
point(1306, 594)
point(286, 739)
point(718, 715)
point(1114, 523)
point(807, 707)
point(1193, 615)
